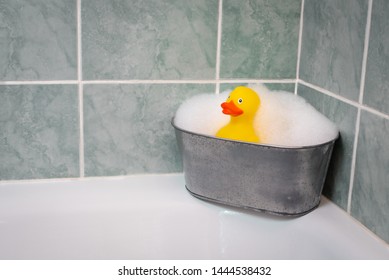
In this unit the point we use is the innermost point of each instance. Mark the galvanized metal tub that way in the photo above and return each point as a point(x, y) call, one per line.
point(285, 181)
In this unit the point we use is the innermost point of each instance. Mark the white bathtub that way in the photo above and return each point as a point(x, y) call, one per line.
point(154, 217)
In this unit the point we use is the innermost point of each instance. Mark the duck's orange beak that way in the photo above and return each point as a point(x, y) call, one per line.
point(229, 108)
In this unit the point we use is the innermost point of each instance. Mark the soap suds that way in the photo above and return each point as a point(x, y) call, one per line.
point(202, 114)
point(283, 118)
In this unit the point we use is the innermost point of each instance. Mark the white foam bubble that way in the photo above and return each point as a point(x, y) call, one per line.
point(202, 114)
point(283, 118)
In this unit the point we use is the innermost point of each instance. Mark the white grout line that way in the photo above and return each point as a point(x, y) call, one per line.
point(374, 112)
point(220, 81)
point(261, 81)
point(345, 100)
point(361, 92)
point(80, 91)
point(102, 82)
point(329, 93)
point(19, 83)
point(299, 46)
point(365, 51)
point(79, 60)
point(353, 161)
point(218, 47)
point(97, 82)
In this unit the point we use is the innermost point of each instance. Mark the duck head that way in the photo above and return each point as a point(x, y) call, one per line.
point(242, 101)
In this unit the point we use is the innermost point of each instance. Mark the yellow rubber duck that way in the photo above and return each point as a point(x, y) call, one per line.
point(241, 105)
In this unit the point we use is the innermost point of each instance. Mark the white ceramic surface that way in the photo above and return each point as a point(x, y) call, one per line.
point(154, 217)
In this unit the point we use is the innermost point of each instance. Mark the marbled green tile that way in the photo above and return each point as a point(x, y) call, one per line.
point(370, 197)
point(127, 128)
point(377, 68)
point(285, 87)
point(38, 40)
point(39, 134)
point(260, 38)
point(155, 39)
point(332, 45)
point(344, 116)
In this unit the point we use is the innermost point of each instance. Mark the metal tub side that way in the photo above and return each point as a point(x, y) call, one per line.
point(279, 180)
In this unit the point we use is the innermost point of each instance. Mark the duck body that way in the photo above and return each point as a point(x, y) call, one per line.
point(242, 105)
point(236, 130)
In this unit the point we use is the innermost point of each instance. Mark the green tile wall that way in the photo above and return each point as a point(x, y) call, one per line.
point(260, 39)
point(38, 40)
point(331, 74)
point(332, 45)
point(338, 178)
point(39, 132)
point(153, 39)
point(88, 88)
point(377, 74)
point(116, 71)
point(127, 127)
point(370, 199)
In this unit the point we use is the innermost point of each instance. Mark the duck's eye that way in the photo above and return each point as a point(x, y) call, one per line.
point(240, 100)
